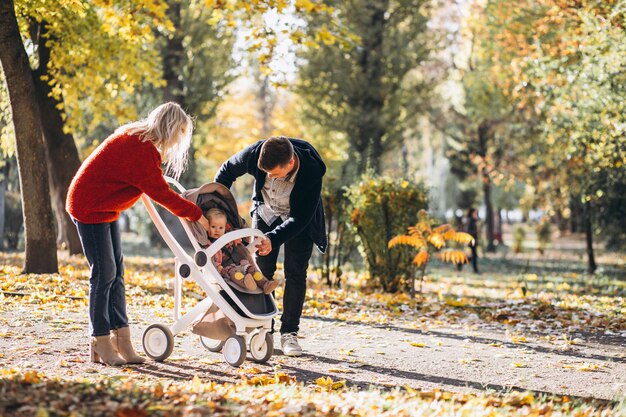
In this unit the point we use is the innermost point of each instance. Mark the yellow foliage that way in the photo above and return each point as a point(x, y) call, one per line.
point(326, 36)
point(436, 240)
point(421, 258)
point(462, 237)
point(414, 241)
point(421, 235)
point(442, 229)
point(453, 256)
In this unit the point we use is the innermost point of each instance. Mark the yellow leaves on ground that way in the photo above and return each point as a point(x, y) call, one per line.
point(323, 399)
point(32, 377)
point(455, 303)
point(326, 383)
point(341, 371)
point(583, 367)
point(254, 376)
point(446, 299)
point(418, 344)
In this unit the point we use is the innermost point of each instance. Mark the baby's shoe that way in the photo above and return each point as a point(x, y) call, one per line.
point(265, 284)
point(249, 282)
point(243, 281)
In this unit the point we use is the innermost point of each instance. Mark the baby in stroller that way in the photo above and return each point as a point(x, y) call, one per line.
point(232, 261)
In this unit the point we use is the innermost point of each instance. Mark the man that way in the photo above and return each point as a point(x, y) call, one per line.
point(288, 209)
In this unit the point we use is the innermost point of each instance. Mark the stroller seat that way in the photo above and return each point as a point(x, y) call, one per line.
point(230, 319)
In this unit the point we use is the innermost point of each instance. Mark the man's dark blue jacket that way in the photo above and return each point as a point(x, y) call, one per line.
point(307, 211)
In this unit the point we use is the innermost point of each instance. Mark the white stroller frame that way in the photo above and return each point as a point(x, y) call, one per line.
point(252, 331)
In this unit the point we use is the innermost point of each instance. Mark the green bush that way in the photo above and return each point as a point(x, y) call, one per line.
point(381, 208)
point(519, 234)
point(544, 234)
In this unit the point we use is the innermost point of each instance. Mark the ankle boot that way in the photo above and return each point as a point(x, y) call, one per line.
point(102, 351)
point(120, 339)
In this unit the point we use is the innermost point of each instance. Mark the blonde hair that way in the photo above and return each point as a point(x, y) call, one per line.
point(214, 213)
point(169, 128)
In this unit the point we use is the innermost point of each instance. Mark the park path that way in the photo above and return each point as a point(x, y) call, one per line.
point(450, 358)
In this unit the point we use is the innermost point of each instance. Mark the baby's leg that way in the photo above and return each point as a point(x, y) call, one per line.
point(265, 284)
point(248, 280)
point(233, 273)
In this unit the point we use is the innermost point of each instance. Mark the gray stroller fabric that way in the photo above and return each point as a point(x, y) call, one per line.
point(216, 195)
point(214, 324)
point(213, 195)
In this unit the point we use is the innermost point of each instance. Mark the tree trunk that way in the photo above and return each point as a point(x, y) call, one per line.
point(40, 243)
point(330, 213)
point(498, 226)
point(591, 261)
point(267, 106)
point(62, 155)
point(483, 132)
point(370, 133)
point(173, 57)
point(173, 63)
point(3, 189)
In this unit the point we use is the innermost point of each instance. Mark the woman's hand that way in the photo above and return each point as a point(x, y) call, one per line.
point(204, 223)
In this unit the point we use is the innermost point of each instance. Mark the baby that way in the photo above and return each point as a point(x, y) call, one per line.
point(228, 261)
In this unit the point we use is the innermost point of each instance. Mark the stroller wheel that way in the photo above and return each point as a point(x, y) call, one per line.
point(214, 345)
point(261, 349)
point(234, 351)
point(158, 342)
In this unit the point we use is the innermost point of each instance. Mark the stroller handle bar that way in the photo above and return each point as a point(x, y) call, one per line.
point(175, 183)
point(231, 237)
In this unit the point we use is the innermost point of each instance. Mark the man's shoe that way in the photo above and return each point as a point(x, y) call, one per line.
point(289, 344)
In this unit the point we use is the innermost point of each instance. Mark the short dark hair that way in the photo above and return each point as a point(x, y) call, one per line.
point(276, 151)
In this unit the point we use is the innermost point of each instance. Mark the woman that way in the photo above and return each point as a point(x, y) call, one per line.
point(126, 165)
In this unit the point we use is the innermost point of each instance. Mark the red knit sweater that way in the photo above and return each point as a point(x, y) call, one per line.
point(113, 178)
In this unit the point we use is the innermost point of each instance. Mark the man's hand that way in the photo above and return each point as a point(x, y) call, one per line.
point(264, 247)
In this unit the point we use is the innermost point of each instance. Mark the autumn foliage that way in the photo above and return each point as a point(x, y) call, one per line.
point(380, 208)
point(428, 239)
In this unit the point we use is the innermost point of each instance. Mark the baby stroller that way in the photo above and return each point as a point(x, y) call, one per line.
point(230, 319)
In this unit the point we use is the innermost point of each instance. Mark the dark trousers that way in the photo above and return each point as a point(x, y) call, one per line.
point(298, 251)
point(102, 246)
point(473, 259)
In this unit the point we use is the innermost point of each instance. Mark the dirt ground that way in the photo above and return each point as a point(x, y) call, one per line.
point(449, 358)
point(469, 354)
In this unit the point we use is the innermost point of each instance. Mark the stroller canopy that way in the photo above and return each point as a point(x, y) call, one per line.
point(213, 195)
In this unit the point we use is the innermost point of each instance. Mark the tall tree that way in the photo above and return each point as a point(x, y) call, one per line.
point(197, 64)
point(40, 251)
point(566, 63)
point(70, 80)
point(61, 152)
point(475, 128)
point(368, 87)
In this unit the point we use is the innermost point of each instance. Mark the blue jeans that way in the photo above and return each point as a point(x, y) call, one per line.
point(298, 251)
point(102, 246)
